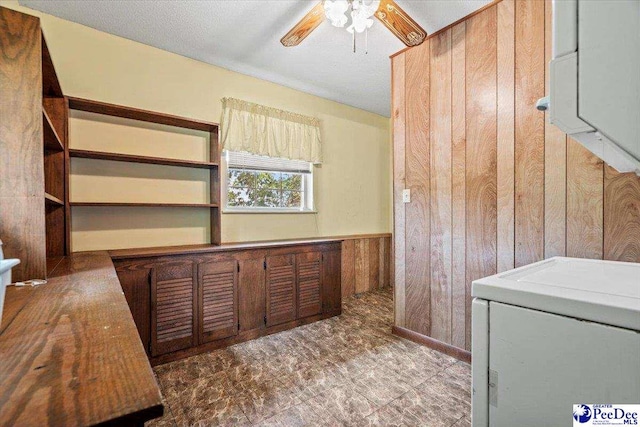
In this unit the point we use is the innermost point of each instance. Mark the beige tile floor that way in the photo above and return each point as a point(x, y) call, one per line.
point(344, 371)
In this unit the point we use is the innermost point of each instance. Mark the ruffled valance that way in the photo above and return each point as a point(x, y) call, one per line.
point(267, 131)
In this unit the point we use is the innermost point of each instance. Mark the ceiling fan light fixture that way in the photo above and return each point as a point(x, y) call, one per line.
point(356, 16)
point(359, 22)
point(336, 12)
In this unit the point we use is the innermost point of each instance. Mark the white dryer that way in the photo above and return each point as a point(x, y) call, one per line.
point(552, 334)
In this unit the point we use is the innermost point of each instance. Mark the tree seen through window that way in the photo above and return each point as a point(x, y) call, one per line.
point(264, 189)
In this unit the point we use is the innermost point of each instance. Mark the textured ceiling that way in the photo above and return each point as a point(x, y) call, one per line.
point(244, 36)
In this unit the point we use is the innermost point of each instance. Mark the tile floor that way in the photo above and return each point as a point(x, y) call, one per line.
point(344, 371)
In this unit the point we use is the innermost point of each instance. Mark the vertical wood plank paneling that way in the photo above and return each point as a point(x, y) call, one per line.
point(481, 150)
point(348, 268)
point(391, 267)
point(383, 261)
point(398, 116)
point(621, 216)
point(365, 264)
point(362, 265)
point(458, 202)
point(506, 135)
point(584, 202)
point(440, 185)
point(529, 132)
point(374, 264)
point(555, 169)
point(520, 189)
point(417, 286)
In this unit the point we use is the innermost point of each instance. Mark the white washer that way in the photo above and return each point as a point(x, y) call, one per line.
point(552, 334)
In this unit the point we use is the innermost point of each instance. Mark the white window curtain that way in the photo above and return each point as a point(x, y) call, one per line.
point(266, 131)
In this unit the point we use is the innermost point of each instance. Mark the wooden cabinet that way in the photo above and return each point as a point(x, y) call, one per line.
point(309, 283)
point(184, 304)
point(136, 285)
point(173, 307)
point(218, 300)
point(252, 293)
point(332, 282)
point(281, 289)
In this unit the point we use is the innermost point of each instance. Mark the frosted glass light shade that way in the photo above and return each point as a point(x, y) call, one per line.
point(335, 11)
point(361, 14)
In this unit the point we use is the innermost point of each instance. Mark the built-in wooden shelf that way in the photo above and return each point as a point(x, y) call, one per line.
point(145, 205)
point(52, 141)
point(50, 84)
point(48, 198)
point(87, 154)
point(138, 114)
point(131, 113)
point(56, 174)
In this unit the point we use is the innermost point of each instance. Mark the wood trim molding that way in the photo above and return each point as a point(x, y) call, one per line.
point(434, 344)
point(448, 27)
point(361, 236)
point(346, 237)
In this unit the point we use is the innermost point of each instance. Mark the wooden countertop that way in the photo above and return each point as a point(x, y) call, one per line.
point(198, 249)
point(70, 352)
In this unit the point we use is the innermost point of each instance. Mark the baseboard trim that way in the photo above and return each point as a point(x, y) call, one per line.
point(432, 343)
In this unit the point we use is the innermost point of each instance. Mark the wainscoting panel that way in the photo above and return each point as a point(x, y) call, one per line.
point(366, 263)
point(493, 184)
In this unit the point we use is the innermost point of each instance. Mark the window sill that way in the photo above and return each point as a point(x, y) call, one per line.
point(265, 211)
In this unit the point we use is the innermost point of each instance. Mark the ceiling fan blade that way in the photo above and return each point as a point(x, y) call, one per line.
point(304, 27)
point(400, 24)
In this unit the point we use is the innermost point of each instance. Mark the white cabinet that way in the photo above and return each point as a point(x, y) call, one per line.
point(595, 77)
point(553, 334)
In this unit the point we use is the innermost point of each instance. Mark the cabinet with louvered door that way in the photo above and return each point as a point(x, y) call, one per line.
point(281, 289)
point(309, 283)
point(218, 289)
point(173, 307)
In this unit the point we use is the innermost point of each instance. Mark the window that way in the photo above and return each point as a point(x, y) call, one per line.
point(259, 183)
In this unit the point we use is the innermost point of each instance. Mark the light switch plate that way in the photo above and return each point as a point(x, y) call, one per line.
point(406, 196)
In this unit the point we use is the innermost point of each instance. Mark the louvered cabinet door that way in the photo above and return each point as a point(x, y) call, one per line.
point(173, 297)
point(218, 299)
point(281, 289)
point(309, 274)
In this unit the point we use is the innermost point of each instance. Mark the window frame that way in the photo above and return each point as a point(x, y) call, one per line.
point(308, 183)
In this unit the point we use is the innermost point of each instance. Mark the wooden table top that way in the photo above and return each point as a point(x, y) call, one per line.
point(70, 352)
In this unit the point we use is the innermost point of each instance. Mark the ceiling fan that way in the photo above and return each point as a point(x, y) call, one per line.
point(359, 20)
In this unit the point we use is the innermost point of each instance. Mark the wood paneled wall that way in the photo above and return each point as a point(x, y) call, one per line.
point(493, 184)
point(366, 263)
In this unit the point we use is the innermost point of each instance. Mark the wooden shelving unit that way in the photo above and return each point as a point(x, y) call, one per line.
point(117, 157)
point(55, 136)
point(48, 198)
point(52, 141)
point(140, 115)
point(164, 119)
